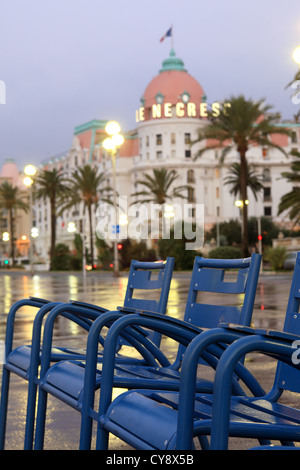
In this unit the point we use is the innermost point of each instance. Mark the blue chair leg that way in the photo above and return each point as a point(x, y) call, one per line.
point(41, 420)
point(3, 405)
point(33, 374)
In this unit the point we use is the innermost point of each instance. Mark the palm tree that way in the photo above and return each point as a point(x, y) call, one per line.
point(159, 188)
point(234, 180)
point(12, 198)
point(291, 201)
point(85, 186)
point(52, 185)
point(241, 124)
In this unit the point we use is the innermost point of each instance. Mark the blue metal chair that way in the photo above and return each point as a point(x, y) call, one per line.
point(208, 279)
point(170, 420)
point(155, 277)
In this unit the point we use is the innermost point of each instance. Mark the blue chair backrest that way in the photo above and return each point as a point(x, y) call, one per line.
point(287, 377)
point(206, 306)
point(148, 288)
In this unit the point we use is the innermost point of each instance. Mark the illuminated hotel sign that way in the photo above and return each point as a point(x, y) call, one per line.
point(169, 110)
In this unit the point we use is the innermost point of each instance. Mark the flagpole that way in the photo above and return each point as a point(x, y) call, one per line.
point(172, 38)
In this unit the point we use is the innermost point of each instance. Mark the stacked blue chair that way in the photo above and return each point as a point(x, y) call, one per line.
point(24, 360)
point(178, 417)
point(209, 277)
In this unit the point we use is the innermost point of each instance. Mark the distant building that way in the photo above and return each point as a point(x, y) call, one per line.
point(171, 111)
point(10, 172)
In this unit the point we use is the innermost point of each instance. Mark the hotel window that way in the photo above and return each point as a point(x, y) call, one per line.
point(147, 140)
point(187, 154)
point(173, 138)
point(267, 194)
point(173, 153)
point(294, 137)
point(191, 195)
point(217, 193)
point(159, 155)
point(187, 138)
point(266, 174)
point(158, 139)
point(190, 176)
point(268, 211)
point(264, 152)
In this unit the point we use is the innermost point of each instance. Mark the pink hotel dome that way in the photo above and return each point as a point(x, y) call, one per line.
point(172, 85)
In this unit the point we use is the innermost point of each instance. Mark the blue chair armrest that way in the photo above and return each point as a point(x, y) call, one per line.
point(276, 347)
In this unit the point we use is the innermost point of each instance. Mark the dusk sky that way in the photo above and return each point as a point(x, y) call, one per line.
point(66, 62)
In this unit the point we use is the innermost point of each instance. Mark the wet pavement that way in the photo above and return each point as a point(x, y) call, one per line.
point(105, 290)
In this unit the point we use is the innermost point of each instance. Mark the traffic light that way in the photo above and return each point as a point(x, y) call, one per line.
point(259, 237)
point(119, 246)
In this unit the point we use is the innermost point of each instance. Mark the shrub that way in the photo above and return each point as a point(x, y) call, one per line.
point(275, 256)
point(226, 252)
point(61, 258)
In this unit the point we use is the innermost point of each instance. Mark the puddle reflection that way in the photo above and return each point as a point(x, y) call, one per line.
point(106, 291)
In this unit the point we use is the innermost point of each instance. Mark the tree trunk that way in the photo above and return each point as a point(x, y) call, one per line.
point(53, 231)
point(243, 176)
point(12, 246)
point(91, 234)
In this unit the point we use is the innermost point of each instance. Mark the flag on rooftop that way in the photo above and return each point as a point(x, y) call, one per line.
point(168, 34)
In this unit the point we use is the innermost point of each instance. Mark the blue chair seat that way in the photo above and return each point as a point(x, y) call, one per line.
point(66, 379)
point(129, 412)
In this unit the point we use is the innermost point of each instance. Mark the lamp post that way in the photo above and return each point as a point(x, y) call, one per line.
point(240, 204)
point(5, 238)
point(111, 144)
point(30, 171)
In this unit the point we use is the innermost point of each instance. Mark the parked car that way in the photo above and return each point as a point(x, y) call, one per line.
point(289, 261)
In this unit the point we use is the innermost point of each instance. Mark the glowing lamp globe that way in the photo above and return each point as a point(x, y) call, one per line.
point(296, 55)
point(112, 127)
point(30, 170)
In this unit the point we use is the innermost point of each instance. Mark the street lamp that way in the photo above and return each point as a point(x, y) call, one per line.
point(240, 204)
point(296, 55)
point(111, 144)
point(169, 212)
point(5, 238)
point(30, 171)
point(71, 227)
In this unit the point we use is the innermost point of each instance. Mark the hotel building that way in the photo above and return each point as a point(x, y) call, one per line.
point(171, 110)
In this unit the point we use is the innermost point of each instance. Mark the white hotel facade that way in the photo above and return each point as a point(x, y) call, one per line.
point(169, 115)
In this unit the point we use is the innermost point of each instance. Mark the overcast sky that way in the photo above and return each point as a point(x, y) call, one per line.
point(66, 62)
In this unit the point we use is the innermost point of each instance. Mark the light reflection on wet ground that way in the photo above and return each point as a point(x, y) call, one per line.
point(103, 289)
